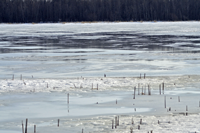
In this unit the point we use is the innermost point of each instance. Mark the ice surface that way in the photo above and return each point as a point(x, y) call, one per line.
point(57, 59)
point(92, 49)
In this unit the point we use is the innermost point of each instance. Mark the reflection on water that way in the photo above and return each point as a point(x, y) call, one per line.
point(118, 49)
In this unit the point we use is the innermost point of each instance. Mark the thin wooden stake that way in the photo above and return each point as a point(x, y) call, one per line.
point(68, 108)
point(131, 130)
point(92, 86)
point(138, 88)
point(158, 122)
point(97, 86)
point(112, 123)
point(68, 98)
point(58, 122)
point(138, 127)
point(132, 121)
point(22, 127)
point(34, 128)
point(118, 121)
point(144, 75)
point(186, 108)
point(142, 91)
point(134, 92)
point(160, 89)
point(115, 122)
point(149, 91)
point(178, 98)
point(165, 101)
point(140, 121)
point(140, 76)
point(116, 101)
point(163, 85)
point(13, 77)
point(26, 125)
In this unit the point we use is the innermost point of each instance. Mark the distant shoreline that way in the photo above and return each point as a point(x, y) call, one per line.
point(89, 22)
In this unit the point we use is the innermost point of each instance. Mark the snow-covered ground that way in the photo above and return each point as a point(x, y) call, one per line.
point(55, 60)
point(80, 84)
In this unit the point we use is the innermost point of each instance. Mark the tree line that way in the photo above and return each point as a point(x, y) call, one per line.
point(26, 11)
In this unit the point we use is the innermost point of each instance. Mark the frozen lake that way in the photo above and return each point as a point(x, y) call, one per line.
point(93, 49)
point(62, 58)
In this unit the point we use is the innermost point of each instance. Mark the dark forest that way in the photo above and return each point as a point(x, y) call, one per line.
point(27, 11)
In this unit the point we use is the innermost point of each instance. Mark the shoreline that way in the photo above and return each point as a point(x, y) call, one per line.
point(91, 22)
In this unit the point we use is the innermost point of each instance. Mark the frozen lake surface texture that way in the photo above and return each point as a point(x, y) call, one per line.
point(98, 65)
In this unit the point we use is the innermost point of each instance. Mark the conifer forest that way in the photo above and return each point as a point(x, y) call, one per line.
point(28, 11)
